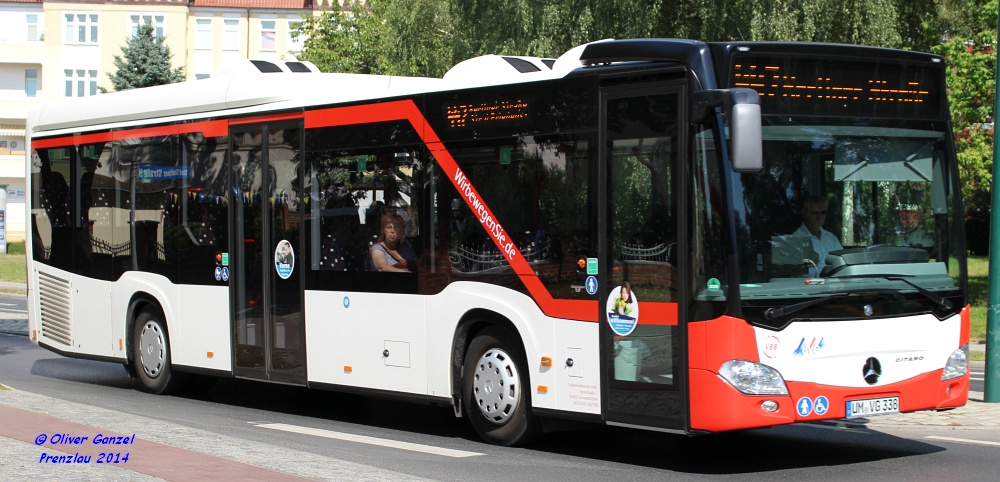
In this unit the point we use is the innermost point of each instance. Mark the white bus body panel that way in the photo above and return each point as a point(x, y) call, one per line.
point(356, 332)
point(578, 387)
point(834, 353)
point(203, 322)
point(91, 316)
point(354, 329)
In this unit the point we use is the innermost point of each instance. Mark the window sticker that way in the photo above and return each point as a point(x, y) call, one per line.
point(714, 285)
point(284, 259)
point(623, 309)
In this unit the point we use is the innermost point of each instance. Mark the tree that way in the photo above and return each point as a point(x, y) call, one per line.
point(341, 41)
point(146, 62)
point(970, 56)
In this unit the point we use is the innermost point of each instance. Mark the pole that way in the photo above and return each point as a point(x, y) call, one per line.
point(992, 378)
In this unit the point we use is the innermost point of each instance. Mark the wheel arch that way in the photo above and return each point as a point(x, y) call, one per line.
point(471, 324)
point(140, 300)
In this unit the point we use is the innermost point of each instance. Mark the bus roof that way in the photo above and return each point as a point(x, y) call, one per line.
point(249, 86)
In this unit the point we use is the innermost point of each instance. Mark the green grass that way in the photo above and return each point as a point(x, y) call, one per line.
point(977, 356)
point(979, 269)
point(12, 268)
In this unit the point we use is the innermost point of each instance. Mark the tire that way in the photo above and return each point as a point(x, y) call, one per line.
point(496, 389)
point(151, 358)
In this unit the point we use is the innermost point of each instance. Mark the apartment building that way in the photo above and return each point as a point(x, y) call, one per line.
point(55, 49)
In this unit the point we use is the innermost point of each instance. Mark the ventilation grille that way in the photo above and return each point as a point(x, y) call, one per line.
point(54, 303)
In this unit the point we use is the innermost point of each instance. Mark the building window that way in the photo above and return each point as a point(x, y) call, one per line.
point(32, 27)
point(81, 28)
point(31, 82)
point(231, 35)
point(201, 76)
point(267, 35)
point(203, 34)
point(80, 82)
point(158, 20)
point(293, 43)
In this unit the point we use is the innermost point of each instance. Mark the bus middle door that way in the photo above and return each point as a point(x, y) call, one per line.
point(266, 282)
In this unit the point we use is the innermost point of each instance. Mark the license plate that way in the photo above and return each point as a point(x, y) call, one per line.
point(872, 406)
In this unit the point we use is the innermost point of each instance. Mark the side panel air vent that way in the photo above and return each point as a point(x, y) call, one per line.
point(54, 304)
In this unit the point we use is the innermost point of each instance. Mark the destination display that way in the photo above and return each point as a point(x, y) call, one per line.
point(790, 85)
point(486, 112)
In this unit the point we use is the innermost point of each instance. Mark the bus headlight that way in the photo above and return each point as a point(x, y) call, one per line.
point(958, 364)
point(753, 378)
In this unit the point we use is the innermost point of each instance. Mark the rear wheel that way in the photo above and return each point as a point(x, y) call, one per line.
point(497, 397)
point(152, 354)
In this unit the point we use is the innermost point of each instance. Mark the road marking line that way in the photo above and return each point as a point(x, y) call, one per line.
point(963, 440)
point(974, 378)
point(427, 449)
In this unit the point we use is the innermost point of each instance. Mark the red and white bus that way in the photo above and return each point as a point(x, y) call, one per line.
point(660, 234)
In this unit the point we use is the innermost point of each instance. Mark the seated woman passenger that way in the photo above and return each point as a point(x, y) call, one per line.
point(387, 254)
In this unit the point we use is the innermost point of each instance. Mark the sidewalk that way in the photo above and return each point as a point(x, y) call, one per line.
point(13, 286)
point(161, 450)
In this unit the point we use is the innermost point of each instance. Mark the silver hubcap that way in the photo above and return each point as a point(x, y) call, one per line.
point(496, 386)
point(152, 349)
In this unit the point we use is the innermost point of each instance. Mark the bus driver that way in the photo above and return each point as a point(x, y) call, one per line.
point(823, 241)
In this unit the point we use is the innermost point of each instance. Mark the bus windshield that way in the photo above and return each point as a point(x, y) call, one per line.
point(864, 207)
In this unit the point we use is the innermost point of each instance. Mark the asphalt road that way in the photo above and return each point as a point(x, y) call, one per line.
point(14, 304)
point(595, 453)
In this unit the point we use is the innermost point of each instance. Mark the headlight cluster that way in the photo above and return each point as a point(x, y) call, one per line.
point(753, 378)
point(958, 364)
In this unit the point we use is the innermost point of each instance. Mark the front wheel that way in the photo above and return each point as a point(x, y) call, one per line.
point(152, 354)
point(497, 396)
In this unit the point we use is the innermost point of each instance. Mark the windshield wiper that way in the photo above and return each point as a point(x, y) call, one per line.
point(773, 313)
point(936, 298)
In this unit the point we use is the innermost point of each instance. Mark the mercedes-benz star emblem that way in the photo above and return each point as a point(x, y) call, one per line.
point(872, 370)
point(868, 310)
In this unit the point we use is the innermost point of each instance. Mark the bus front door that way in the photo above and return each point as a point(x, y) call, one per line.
point(265, 278)
point(642, 146)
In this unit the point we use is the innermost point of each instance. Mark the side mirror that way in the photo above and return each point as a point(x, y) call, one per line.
point(746, 149)
point(742, 108)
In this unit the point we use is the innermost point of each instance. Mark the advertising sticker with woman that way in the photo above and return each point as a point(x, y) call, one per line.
point(623, 309)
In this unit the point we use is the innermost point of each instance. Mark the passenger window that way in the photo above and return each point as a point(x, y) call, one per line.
point(538, 189)
point(96, 241)
point(364, 209)
point(51, 203)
